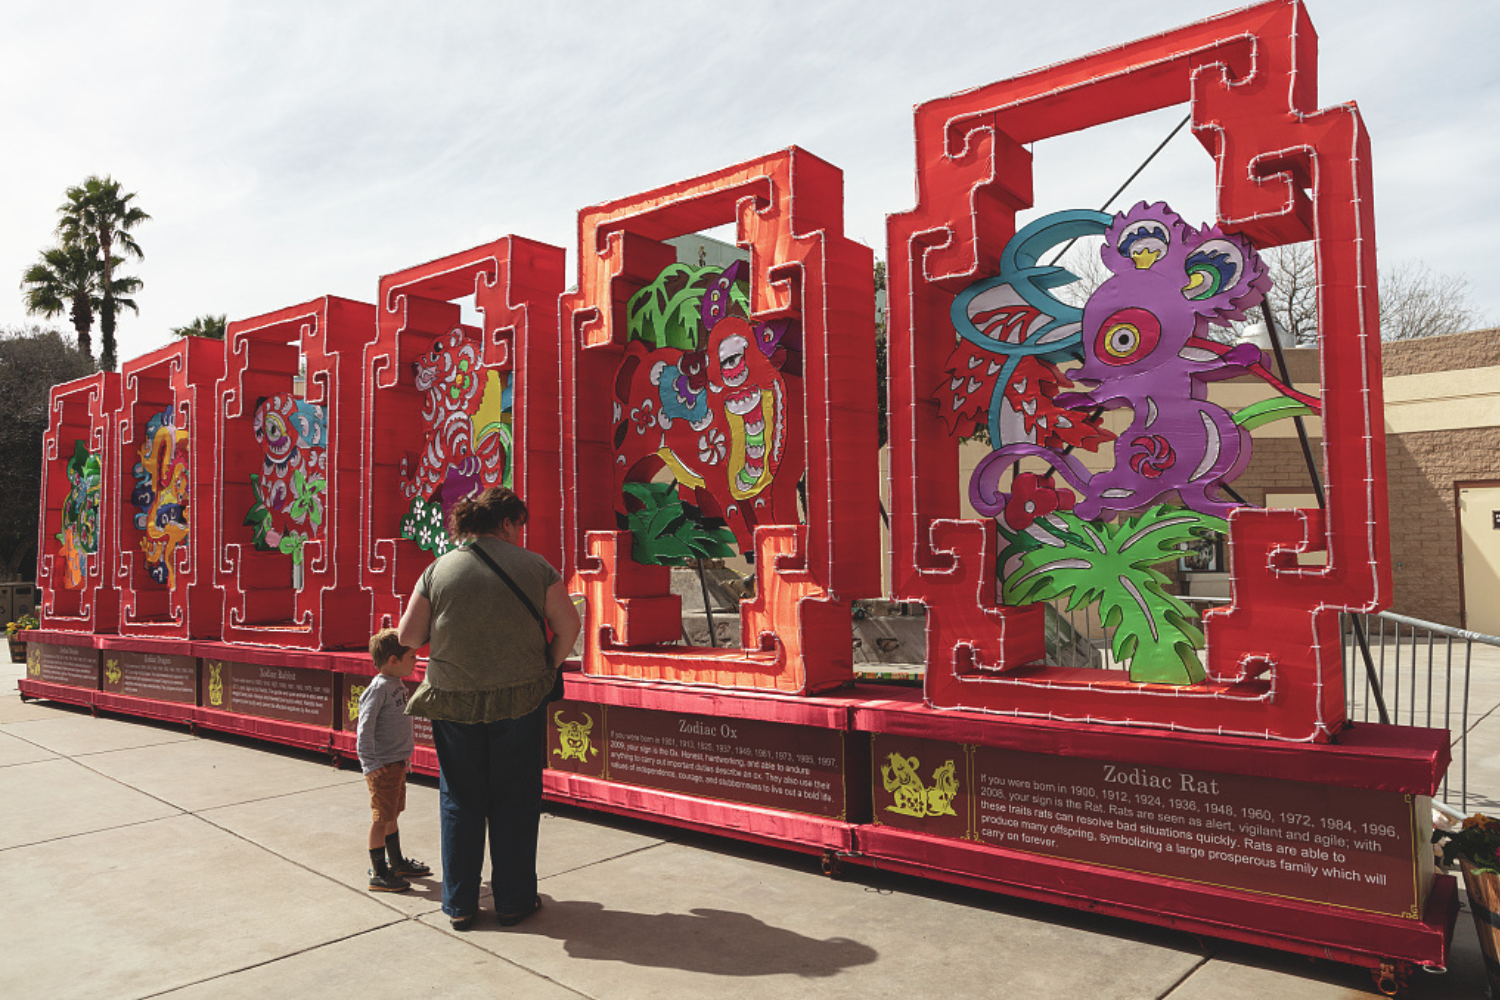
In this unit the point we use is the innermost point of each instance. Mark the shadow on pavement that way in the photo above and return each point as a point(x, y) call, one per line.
point(717, 942)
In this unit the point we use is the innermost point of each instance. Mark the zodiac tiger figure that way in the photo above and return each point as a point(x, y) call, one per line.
point(457, 456)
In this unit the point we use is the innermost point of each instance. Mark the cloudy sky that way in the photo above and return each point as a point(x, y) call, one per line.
point(288, 150)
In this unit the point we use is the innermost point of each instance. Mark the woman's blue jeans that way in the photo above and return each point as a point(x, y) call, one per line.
point(491, 773)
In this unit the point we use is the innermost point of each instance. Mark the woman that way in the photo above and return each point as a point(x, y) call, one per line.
point(489, 672)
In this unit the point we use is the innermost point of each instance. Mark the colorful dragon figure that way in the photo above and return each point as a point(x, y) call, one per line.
point(288, 490)
point(161, 494)
point(466, 414)
point(712, 397)
point(79, 537)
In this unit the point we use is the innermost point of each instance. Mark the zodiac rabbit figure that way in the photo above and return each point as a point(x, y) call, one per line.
point(1143, 349)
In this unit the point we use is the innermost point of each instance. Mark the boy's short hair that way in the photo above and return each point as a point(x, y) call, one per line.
point(385, 646)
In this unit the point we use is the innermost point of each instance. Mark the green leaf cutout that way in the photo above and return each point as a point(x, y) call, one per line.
point(1065, 557)
point(1264, 411)
point(665, 533)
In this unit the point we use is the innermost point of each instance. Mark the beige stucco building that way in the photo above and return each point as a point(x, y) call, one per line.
point(1442, 417)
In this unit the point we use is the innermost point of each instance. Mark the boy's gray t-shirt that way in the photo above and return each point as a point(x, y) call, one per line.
point(483, 638)
point(385, 731)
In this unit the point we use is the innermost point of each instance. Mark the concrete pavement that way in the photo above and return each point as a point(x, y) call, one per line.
point(141, 861)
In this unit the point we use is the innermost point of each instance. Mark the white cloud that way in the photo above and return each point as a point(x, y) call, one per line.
point(286, 150)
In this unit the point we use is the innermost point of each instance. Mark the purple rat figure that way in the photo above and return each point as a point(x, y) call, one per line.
point(1143, 349)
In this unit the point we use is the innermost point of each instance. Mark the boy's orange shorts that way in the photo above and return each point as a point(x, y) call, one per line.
point(387, 791)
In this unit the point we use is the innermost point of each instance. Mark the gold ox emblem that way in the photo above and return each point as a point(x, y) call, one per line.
point(573, 738)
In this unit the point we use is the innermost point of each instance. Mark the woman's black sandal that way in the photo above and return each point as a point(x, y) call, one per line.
point(511, 919)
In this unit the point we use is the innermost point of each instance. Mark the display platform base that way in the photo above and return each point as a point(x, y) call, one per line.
point(1341, 935)
point(1315, 849)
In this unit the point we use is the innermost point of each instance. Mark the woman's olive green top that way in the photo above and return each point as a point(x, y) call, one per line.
point(488, 658)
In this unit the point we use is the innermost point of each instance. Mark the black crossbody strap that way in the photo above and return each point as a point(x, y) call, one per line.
point(521, 594)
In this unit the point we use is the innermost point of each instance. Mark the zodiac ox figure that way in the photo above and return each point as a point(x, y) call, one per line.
point(715, 399)
point(1140, 338)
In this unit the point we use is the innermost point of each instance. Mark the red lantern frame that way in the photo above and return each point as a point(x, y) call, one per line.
point(1286, 172)
point(788, 208)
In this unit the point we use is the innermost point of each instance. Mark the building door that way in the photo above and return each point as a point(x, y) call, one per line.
point(1479, 555)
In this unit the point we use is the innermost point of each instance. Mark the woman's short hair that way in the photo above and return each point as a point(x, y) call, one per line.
point(485, 513)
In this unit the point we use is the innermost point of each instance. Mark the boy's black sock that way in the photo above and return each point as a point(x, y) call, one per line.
point(377, 861)
point(393, 847)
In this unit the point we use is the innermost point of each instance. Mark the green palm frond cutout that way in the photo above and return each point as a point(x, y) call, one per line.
point(664, 533)
point(668, 312)
point(1114, 564)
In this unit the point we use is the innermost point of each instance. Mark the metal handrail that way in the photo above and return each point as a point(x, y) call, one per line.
point(1375, 652)
point(1448, 630)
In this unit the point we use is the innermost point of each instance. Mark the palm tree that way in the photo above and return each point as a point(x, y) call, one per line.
point(208, 325)
point(98, 217)
point(117, 298)
point(64, 281)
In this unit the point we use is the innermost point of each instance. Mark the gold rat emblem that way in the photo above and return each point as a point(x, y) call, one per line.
point(573, 738)
point(910, 797)
point(352, 708)
point(34, 661)
point(112, 671)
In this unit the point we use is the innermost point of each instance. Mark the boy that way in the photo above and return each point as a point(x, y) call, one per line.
point(384, 745)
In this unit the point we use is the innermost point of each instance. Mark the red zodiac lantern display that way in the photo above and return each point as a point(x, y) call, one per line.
point(452, 408)
point(288, 505)
point(1287, 172)
point(245, 532)
point(78, 484)
point(728, 387)
point(166, 475)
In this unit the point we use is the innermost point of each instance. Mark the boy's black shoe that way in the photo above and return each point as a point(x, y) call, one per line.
point(410, 867)
point(388, 882)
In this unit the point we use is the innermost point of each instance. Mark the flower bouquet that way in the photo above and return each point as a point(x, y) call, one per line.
point(17, 647)
point(1475, 846)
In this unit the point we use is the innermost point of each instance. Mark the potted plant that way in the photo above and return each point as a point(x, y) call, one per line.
point(1474, 845)
point(17, 646)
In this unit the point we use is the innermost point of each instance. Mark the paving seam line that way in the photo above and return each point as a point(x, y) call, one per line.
point(90, 833)
point(1202, 961)
point(601, 861)
point(269, 961)
point(468, 939)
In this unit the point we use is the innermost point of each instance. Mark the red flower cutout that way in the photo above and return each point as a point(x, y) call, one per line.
point(1156, 455)
point(1033, 497)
